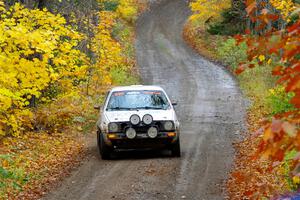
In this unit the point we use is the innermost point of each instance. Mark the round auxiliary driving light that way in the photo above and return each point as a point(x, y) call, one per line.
point(152, 132)
point(135, 119)
point(147, 119)
point(168, 126)
point(113, 127)
point(130, 133)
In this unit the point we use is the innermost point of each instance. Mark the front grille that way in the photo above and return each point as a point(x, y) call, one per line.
point(141, 127)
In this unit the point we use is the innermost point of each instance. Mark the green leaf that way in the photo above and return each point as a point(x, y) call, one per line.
point(290, 155)
point(4, 173)
point(16, 186)
point(2, 185)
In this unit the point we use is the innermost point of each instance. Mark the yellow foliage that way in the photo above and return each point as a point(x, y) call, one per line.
point(296, 180)
point(204, 10)
point(37, 51)
point(110, 44)
point(107, 49)
point(269, 61)
point(2, 8)
point(284, 6)
point(128, 10)
point(261, 58)
point(40, 62)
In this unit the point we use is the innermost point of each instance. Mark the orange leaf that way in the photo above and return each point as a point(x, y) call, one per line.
point(240, 69)
point(247, 31)
point(248, 193)
point(251, 7)
point(296, 101)
point(251, 66)
point(293, 84)
point(268, 135)
point(279, 155)
point(238, 176)
point(277, 71)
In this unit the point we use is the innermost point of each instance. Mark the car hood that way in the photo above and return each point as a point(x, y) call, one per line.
point(124, 116)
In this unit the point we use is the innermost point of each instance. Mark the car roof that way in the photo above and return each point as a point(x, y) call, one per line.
point(136, 87)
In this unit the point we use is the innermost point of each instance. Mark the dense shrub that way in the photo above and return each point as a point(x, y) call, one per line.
point(231, 53)
point(232, 23)
point(110, 5)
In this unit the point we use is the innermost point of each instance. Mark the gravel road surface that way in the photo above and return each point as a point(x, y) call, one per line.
point(211, 110)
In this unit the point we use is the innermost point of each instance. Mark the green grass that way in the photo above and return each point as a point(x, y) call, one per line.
point(124, 33)
point(255, 83)
point(123, 77)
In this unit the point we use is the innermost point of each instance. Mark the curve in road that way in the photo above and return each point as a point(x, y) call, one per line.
point(210, 109)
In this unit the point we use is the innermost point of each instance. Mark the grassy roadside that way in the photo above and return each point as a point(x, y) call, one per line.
point(204, 43)
point(249, 177)
point(33, 162)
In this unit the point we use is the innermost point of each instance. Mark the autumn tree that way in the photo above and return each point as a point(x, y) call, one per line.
point(281, 134)
point(38, 59)
point(205, 11)
point(107, 49)
point(110, 53)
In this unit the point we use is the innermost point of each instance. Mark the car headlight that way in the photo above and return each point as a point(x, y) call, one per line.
point(113, 127)
point(147, 119)
point(168, 126)
point(152, 132)
point(135, 119)
point(130, 133)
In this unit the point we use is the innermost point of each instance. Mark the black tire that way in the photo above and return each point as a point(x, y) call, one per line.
point(104, 150)
point(175, 149)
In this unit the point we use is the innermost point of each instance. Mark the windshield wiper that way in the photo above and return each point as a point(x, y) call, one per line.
point(150, 108)
point(119, 108)
point(137, 108)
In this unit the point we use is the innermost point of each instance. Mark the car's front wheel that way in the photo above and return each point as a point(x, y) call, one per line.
point(104, 150)
point(175, 149)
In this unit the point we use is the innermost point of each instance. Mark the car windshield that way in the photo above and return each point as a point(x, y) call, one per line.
point(142, 100)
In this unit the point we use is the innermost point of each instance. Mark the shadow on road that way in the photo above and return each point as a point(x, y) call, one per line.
point(140, 154)
point(134, 154)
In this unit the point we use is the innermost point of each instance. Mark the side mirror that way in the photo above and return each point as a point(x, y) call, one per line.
point(97, 107)
point(174, 103)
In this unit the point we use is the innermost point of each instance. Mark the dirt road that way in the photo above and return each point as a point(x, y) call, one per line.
point(211, 112)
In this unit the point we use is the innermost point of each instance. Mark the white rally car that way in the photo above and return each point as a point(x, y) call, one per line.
point(137, 117)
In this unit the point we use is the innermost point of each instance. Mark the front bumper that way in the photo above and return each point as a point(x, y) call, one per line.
point(141, 141)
